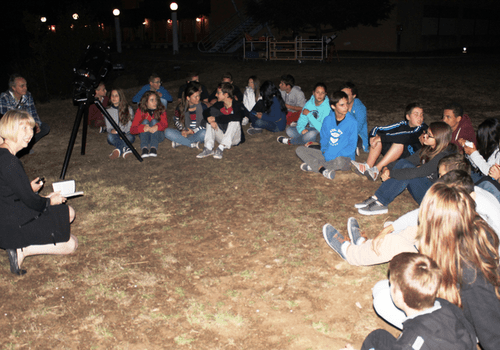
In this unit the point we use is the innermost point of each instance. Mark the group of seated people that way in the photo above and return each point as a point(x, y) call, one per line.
point(444, 282)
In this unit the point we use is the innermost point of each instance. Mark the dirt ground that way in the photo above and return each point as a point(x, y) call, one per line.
point(185, 253)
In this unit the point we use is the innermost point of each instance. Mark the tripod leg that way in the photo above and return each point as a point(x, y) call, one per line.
point(118, 130)
point(81, 109)
point(84, 130)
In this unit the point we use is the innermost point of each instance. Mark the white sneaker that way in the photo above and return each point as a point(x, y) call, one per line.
point(195, 145)
point(357, 167)
point(245, 121)
point(175, 144)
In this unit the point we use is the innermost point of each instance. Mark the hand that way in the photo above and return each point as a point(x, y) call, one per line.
point(210, 120)
point(380, 237)
point(305, 131)
point(385, 174)
point(185, 133)
point(374, 140)
point(421, 138)
point(214, 126)
point(35, 185)
point(56, 198)
point(495, 172)
point(153, 129)
point(37, 128)
point(113, 131)
point(258, 115)
point(159, 93)
point(469, 150)
point(146, 128)
point(305, 112)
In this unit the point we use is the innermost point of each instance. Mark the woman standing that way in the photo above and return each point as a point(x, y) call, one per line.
point(31, 224)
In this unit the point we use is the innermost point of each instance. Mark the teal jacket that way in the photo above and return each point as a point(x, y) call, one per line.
point(316, 114)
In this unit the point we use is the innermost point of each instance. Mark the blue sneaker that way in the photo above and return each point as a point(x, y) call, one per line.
point(353, 231)
point(334, 239)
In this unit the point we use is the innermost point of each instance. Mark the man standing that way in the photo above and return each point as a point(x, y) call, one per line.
point(293, 96)
point(18, 97)
point(223, 123)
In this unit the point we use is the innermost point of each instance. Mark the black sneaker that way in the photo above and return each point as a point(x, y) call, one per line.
point(153, 152)
point(145, 153)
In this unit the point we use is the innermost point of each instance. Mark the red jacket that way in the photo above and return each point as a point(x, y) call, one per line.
point(137, 126)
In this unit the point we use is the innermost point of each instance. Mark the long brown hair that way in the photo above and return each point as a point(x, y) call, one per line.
point(123, 107)
point(143, 104)
point(442, 134)
point(182, 107)
point(453, 234)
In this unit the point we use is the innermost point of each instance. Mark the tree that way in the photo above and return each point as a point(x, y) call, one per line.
point(319, 16)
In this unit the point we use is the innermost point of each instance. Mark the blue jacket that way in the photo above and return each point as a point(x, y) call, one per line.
point(276, 115)
point(339, 139)
point(147, 87)
point(316, 114)
point(358, 111)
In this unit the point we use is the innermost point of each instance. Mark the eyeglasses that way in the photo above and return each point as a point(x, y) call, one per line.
point(157, 82)
point(426, 133)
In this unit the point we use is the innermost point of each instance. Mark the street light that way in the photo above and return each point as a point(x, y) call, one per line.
point(43, 19)
point(75, 16)
point(116, 13)
point(174, 7)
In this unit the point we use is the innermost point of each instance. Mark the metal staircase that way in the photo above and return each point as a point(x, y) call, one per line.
point(228, 37)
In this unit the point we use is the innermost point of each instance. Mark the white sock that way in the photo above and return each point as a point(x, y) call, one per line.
point(344, 247)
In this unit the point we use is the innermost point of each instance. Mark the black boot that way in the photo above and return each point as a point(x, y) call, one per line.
point(14, 264)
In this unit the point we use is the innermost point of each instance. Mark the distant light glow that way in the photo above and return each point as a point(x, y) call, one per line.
point(75, 16)
point(43, 19)
point(174, 6)
point(198, 19)
point(116, 12)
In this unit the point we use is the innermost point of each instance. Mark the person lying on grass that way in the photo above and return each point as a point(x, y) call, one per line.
point(395, 141)
point(337, 138)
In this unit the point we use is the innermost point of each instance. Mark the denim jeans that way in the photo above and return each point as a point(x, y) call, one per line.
point(115, 140)
point(391, 188)
point(151, 140)
point(176, 136)
point(302, 139)
point(263, 124)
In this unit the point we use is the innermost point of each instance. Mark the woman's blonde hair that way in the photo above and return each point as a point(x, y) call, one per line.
point(453, 234)
point(9, 124)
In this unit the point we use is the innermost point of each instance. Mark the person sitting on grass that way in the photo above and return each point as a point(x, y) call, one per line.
point(155, 86)
point(486, 156)
point(400, 236)
point(193, 77)
point(358, 110)
point(417, 172)
point(395, 141)
point(150, 122)
point(188, 119)
point(465, 248)
point(226, 78)
point(268, 113)
point(31, 224)
point(122, 113)
point(293, 96)
point(430, 322)
point(313, 114)
point(223, 123)
point(460, 123)
point(338, 141)
point(251, 96)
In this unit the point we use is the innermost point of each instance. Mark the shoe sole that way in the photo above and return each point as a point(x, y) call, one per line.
point(363, 205)
point(350, 226)
point(153, 155)
point(199, 156)
point(356, 171)
point(126, 155)
point(145, 156)
point(378, 212)
point(368, 176)
point(327, 239)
